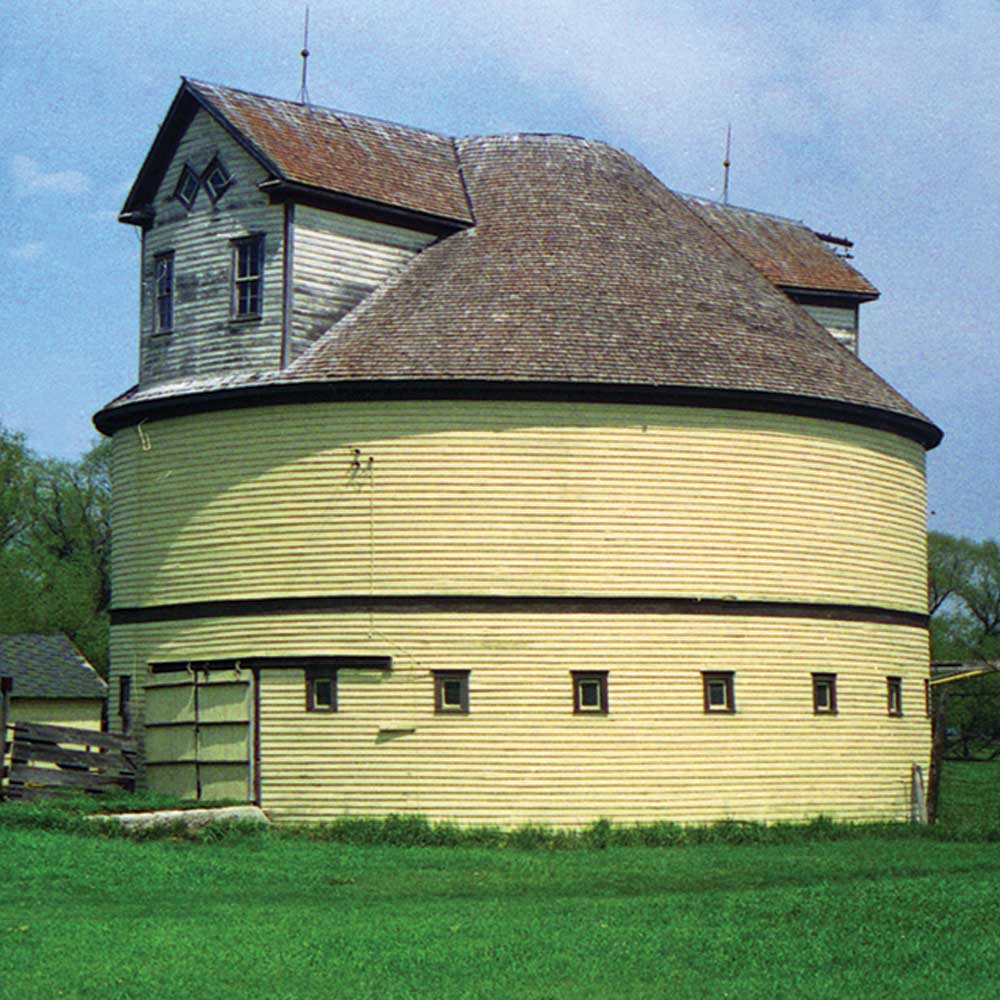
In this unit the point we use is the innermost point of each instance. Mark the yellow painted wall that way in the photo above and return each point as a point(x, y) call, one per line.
point(80, 713)
point(517, 498)
point(521, 755)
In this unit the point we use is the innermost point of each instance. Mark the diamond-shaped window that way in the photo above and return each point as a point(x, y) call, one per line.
point(187, 187)
point(217, 179)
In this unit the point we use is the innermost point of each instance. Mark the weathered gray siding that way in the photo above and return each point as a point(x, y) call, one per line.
point(205, 339)
point(841, 321)
point(337, 261)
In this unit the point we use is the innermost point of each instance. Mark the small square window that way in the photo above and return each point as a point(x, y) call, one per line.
point(248, 277)
point(451, 692)
point(163, 272)
point(217, 179)
point(718, 690)
point(825, 694)
point(321, 690)
point(894, 694)
point(590, 692)
point(187, 187)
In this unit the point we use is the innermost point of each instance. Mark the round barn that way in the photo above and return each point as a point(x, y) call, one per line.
point(491, 480)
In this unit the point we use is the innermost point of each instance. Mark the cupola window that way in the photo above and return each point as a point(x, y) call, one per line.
point(217, 179)
point(187, 187)
point(248, 277)
point(163, 268)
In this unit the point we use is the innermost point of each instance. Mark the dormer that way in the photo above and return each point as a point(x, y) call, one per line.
point(811, 268)
point(264, 222)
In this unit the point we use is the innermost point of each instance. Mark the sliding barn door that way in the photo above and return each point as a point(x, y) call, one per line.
point(199, 734)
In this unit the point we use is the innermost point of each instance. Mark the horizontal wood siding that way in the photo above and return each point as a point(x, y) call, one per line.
point(205, 340)
point(516, 498)
point(338, 261)
point(522, 755)
point(79, 713)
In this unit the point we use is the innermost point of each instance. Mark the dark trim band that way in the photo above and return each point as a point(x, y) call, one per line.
point(125, 413)
point(403, 604)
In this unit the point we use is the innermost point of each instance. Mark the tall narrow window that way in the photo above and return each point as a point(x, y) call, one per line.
point(125, 703)
point(451, 692)
point(590, 692)
point(248, 276)
point(719, 691)
point(894, 694)
point(163, 270)
point(825, 694)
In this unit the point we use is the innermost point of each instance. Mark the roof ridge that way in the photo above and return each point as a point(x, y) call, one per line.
point(310, 106)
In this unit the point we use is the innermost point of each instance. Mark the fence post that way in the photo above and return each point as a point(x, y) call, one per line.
point(937, 752)
point(6, 685)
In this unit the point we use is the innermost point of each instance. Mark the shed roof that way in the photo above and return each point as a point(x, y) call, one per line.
point(48, 666)
point(786, 252)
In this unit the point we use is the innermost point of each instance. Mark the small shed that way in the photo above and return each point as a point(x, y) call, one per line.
point(52, 682)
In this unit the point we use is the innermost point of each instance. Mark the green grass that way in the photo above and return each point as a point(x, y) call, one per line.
point(281, 915)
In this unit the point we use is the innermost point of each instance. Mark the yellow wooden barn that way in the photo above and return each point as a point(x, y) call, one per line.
point(48, 680)
point(489, 479)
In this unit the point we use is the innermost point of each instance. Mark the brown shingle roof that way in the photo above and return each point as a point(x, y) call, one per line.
point(48, 666)
point(363, 157)
point(786, 252)
point(584, 268)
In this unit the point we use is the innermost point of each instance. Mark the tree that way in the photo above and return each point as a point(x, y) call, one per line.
point(16, 486)
point(55, 545)
point(949, 562)
point(964, 601)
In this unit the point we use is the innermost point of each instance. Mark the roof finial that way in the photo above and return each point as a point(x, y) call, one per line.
point(725, 165)
point(304, 92)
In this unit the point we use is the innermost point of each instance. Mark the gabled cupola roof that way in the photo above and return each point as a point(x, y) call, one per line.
point(317, 151)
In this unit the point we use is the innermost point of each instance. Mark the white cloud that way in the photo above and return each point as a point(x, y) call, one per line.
point(31, 178)
point(30, 250)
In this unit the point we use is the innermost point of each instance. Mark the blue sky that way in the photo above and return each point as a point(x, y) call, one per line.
point(878, 121)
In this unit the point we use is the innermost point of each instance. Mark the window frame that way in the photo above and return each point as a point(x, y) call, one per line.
point(125, 703)
point(316, 675)
point(894, 696)
point(215, 193)
point(829, 681)
point(160, 295)
point(441, 679)
point(728, 679)
point(587, 677)
point(187, 174)
point(255, 243)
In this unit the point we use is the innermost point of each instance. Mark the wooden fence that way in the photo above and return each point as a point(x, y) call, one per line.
point(6, 684)
point(51, 760)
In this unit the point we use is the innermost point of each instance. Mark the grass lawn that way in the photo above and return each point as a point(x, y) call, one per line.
point(276, 916)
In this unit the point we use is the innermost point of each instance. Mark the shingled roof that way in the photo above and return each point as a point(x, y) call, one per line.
point(582, 269)
point(48, 666)
point(788, 253)
point(319, 148)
